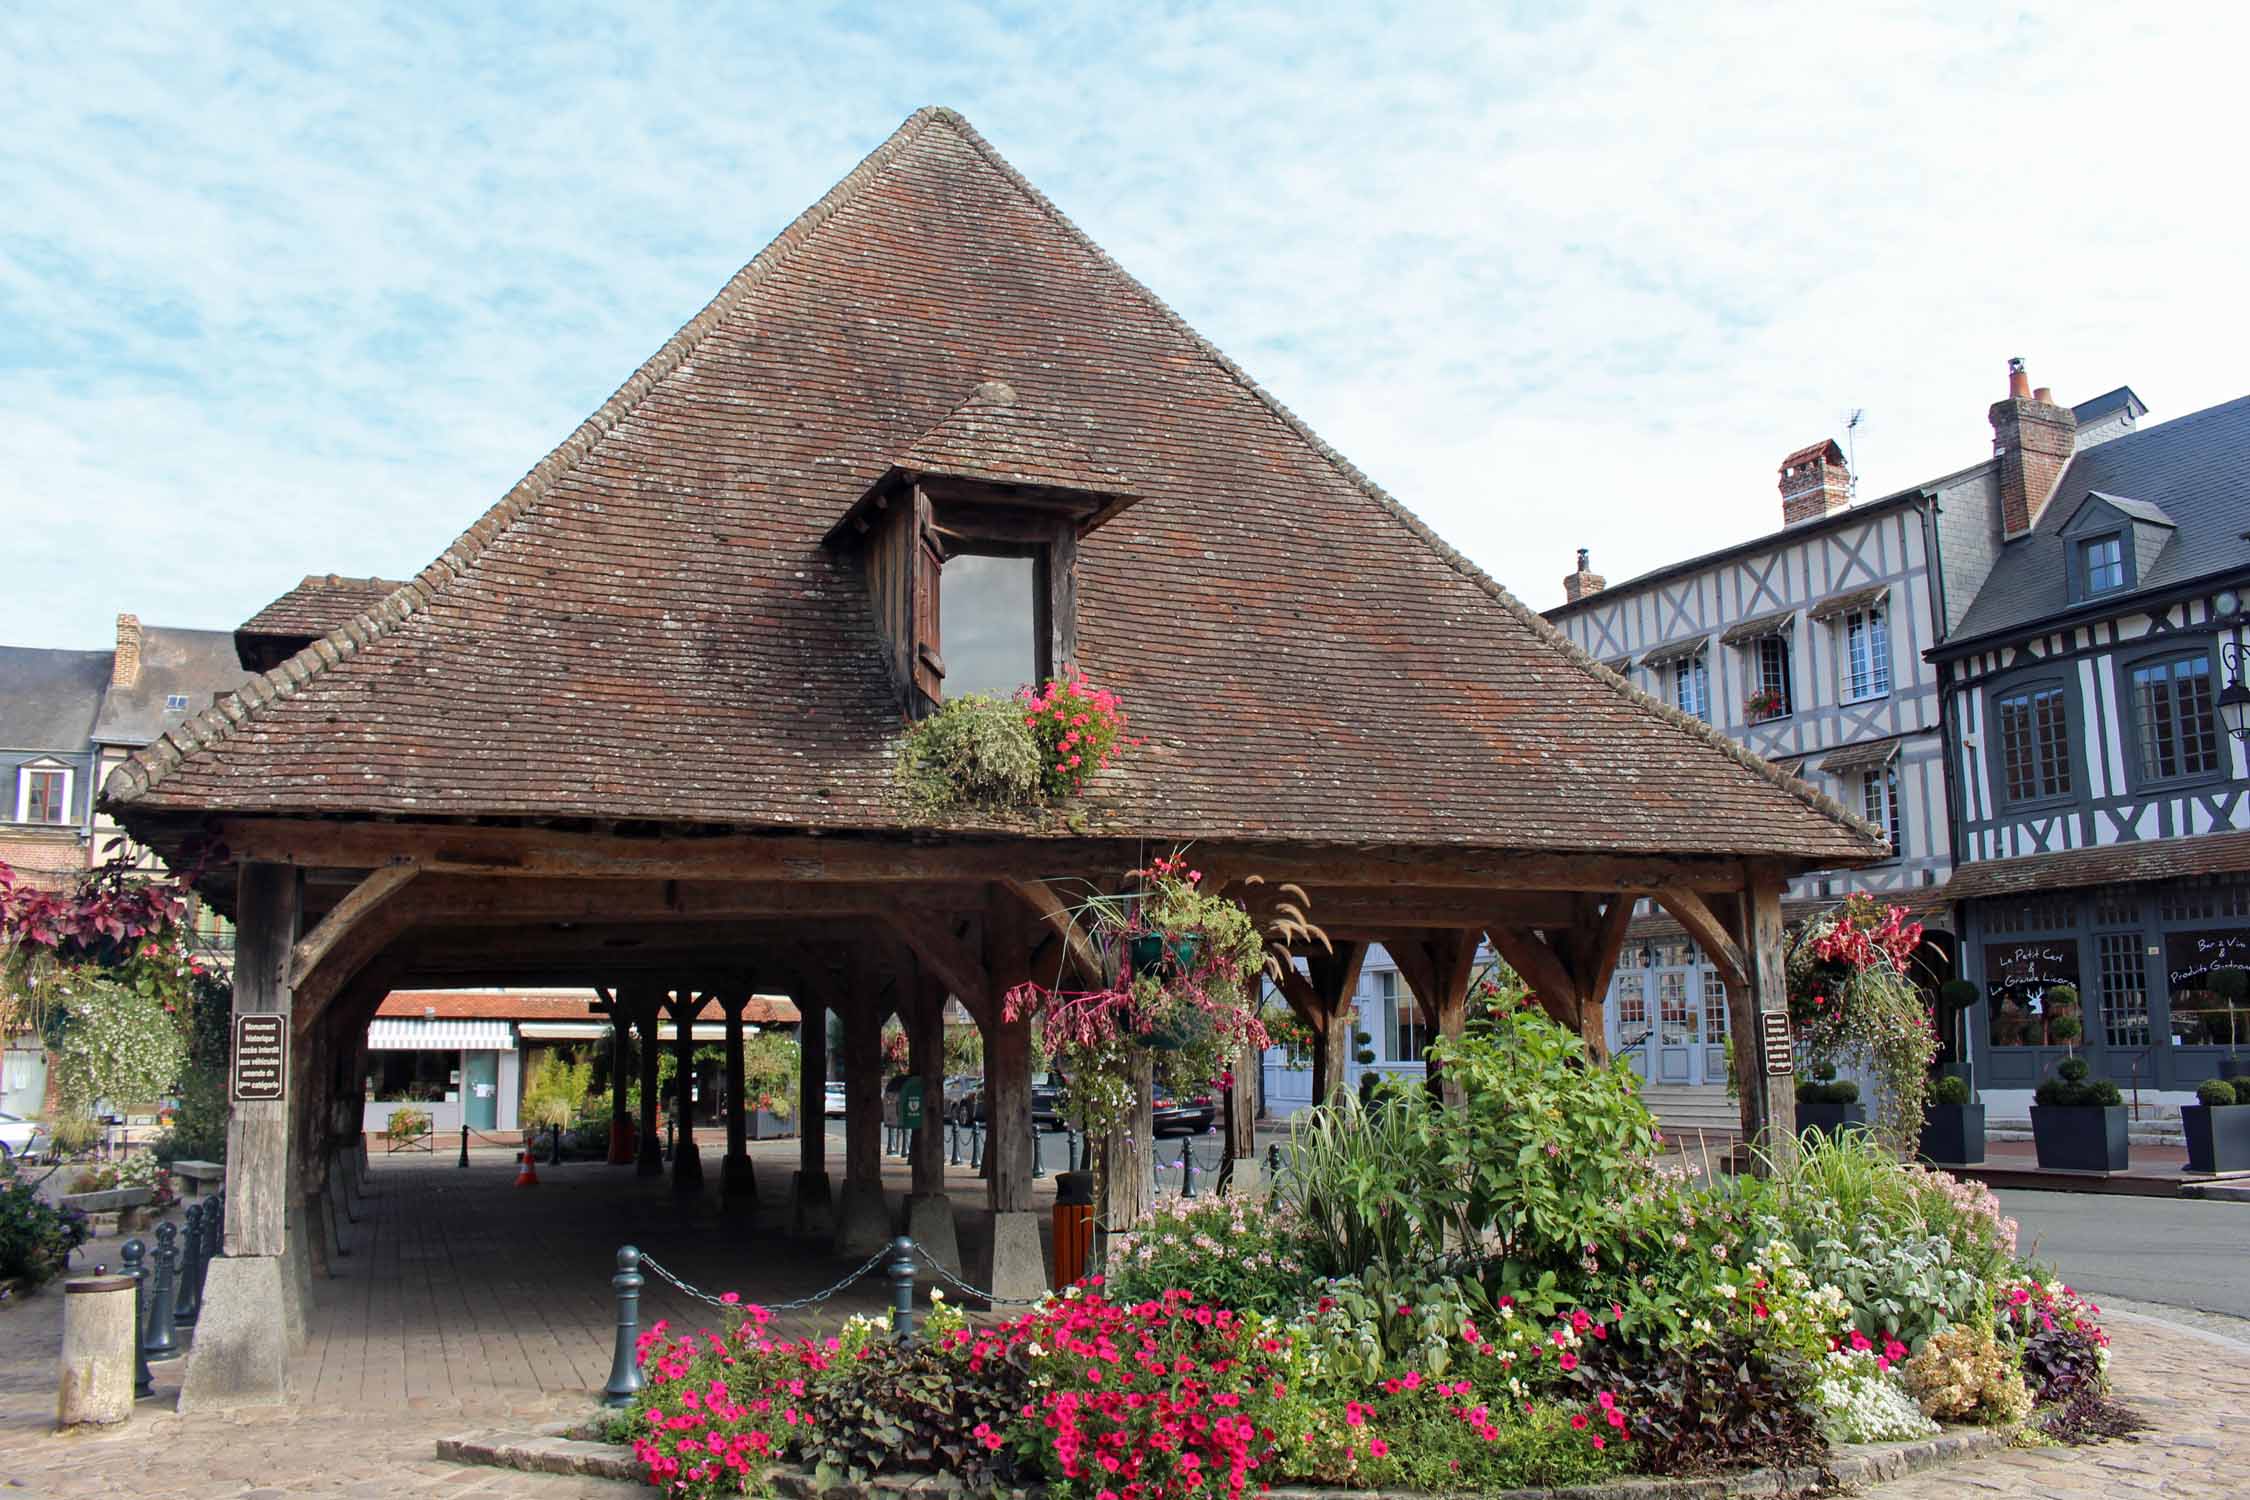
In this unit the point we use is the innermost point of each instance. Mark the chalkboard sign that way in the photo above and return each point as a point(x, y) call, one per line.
point(2034, 966)
point(261, 1058)
point(1780, 1050)
point(2189, 957)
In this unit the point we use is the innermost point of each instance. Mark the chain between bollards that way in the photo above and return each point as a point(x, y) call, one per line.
point(624, 1364)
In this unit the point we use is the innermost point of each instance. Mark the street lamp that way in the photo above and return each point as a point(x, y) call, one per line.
point(2234, 698)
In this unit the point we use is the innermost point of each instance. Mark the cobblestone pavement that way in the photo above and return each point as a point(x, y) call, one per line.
point(469, 1305)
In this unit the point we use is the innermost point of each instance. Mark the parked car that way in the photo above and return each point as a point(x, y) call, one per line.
point(833, 1107)
point(15, 1135)
point(1190, 1116)
point(1046, 1103)
point(959, 1089)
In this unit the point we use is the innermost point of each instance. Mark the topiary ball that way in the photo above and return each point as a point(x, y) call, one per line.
point(1950, 1090)
point(1959, 994)
point(2105, 1093)
point(2072, 1070)
point(2215, 1092)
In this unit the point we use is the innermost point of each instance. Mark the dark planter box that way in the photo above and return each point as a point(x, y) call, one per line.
point(1830, 1119)
point(2218, 1140)
point(1953, 1134)
point(2079, 1138)
point(765, 1125)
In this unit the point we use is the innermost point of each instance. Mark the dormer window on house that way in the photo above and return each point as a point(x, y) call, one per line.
point(970, 545)
point(175, 702)
point(2102, 561)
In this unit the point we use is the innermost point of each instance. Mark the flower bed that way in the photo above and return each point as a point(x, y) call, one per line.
point(1507, 1293)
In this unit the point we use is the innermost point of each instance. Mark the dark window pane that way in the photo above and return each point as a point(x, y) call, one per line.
point(986, 615)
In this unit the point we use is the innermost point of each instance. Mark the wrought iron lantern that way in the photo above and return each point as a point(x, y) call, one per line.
point(2234, 698)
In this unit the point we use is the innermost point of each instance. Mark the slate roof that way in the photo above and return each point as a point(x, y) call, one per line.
point(647, 626)
point(318, 605)
point(2108, 864)
point(49, 699)
point(2194, 469)
point(198, 665)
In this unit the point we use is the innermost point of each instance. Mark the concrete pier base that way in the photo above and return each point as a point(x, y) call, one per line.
point(1016, 1265)
point(242, 1338)
point(863, 1220)
point(812, 1205)
point(929, 1223)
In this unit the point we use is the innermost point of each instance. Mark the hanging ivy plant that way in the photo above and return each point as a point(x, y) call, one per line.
point(1186, 964)
point(1854, 1002)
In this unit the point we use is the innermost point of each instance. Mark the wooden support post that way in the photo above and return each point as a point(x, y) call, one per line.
point(647, 1006)
point(812, 1203)
point(929, 1210)
point(687, 1161)
point(1241, 1119)
point(1016, 1262)
point(620, 1111)
point(863, 1216)
point(243, 1336)
point(738, 1180)
point(1437, 966)
point(1321, 998)
point(1126, 1163)
point(1769, 1101)
point(1596, 942)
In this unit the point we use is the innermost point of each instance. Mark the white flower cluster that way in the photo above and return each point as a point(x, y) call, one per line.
point(1858, 1403)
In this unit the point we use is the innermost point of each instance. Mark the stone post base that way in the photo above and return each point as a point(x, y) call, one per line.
point(812, 1208)
point(738, 1186)
point(1016, 1263)
point(929, 1223)
point(96, 1389)
point(863, 1220)
point(296, 1266)
point(1247, 1178)
point(687, 1168)
point(241, 1338)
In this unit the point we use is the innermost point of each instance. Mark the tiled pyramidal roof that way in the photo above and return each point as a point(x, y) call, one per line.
point(648, 626)
point(318, 605)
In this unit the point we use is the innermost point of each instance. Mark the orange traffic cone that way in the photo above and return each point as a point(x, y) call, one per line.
point(529, 1176)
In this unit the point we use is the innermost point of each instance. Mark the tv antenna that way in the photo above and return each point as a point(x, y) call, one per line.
point(1851, 443)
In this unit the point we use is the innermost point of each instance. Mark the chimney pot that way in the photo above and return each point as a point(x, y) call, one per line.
point(1814, 483)
point(2044, 394)
point(1585, 581)
point(2019, 382)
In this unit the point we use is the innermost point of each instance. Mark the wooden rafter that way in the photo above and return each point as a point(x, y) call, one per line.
point(1046, 903)
point(943, 951)
point(1541, 967)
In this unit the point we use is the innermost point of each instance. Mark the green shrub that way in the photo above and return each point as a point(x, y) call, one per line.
point(36, 1237)
point(1229, 1252)
point(1528, 1445)
point(2216, 1092)
point(199, 1126)
point(75, 1134)
point(2072, 1070)
point(1959, 994)
point(914, 1408)
point(974, 752)
point(2070, 1088)
point(1951, 1089)
point(1831, 1091)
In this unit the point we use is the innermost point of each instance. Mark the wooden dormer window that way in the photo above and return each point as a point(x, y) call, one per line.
point(970, 544)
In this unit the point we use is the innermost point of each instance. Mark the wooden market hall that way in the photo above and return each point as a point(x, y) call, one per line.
point(637, 728)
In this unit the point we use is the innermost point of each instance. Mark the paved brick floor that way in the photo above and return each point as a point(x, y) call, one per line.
point(467, 1303)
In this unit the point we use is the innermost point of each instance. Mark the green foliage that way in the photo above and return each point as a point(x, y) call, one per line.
point(1829, 1091)
point(974, 753)
point(1229, 1252)
point(556, 1094)
point(1385, 1322)
point(772, 1065)
point(2216, 1092)
point(1533, 1445)
point(117, 1040)
point(36, 1237)
point(74, 1134)
point(2072, 1088)
point(1959, 994)
point(917, 1409)
point(1952, 1089)
point(1855, 1002)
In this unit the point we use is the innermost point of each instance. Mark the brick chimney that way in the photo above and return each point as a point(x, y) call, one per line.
point(1583, 582)
point(2033, 439)
point(125, 667)
point(1814, 483)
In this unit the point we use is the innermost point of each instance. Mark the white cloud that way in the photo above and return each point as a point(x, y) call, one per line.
point(279, 296)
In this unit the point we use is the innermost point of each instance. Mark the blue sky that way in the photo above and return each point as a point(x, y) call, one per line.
point(284, 291)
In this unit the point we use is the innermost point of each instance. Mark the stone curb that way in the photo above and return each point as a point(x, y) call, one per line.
point(1857, 1465)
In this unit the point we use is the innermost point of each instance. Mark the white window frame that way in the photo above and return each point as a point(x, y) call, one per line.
point(48, 767)
point(1865, 654)
point(1878, 802)
point(1695, 667)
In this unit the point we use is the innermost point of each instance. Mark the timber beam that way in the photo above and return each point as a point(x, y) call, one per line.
point(1701, 923)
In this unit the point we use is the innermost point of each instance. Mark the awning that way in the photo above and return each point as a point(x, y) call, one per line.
point(2108, 864)
point(1672, 651)
point(1872, 756)
point(593, 1031)
point(1844, 604)
point(1780, 622)
point(1619, 664)
point(387, 1035)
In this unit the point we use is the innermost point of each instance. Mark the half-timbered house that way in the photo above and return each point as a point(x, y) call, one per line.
point(638, 728)
point(1807, 645)
point(2103, 823)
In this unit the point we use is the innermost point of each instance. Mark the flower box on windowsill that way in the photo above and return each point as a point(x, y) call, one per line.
point(1760, 707)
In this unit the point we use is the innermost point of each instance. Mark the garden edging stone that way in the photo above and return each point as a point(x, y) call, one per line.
point(557, 1451)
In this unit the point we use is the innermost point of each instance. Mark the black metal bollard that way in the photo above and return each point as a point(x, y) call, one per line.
point(1273, 1163)
point(156, 1339)
point(1187, 1169)
point(1038, 1156)
point(976, 1148)
point(213, 1246)
point(624, 1362)
point(900, 1268)
point(554, 1145)
point(953, 1143)
point(464, 1161)
point(135, 1255)
point(187, 1297)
